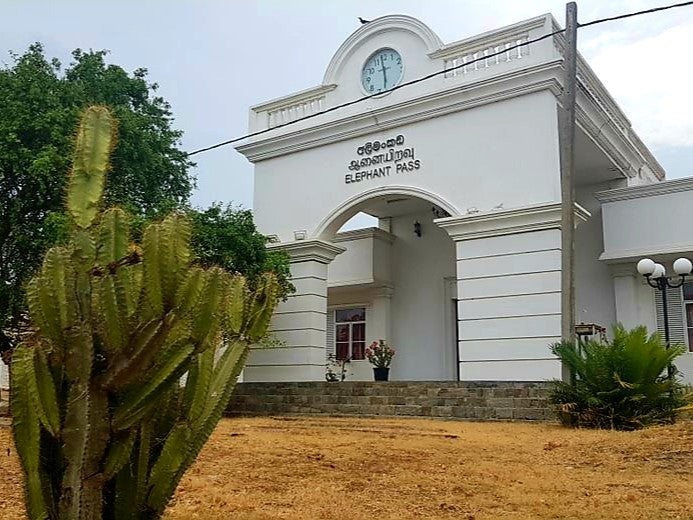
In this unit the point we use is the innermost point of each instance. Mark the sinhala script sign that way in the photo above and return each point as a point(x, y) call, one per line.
point(381, 159)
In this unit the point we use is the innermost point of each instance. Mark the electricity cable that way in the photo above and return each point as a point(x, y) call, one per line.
point(434, 74)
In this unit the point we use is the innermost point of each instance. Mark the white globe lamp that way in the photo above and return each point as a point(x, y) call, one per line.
point(646, 266)
point(683, 267)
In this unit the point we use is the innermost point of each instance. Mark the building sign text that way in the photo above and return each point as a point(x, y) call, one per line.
point(382, 158)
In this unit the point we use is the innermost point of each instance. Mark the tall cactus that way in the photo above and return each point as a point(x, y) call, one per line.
point(134, 357)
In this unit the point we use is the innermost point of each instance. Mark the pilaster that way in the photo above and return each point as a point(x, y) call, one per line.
point(300, 322)
point(626, 282)
point(509, 291)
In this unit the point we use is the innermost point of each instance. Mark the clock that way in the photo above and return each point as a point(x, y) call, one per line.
point(382, 71)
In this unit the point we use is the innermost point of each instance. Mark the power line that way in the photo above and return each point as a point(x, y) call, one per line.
point(637, 13)
point(434, 74)
point(369, 96)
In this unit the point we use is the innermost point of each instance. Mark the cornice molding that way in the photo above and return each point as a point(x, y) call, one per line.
point(508, 221)
point(596, 133)
point(358, 234)
point(305, 250)
point(645, 190)
point(543, 76)
point(594, 90)
point(669, 252)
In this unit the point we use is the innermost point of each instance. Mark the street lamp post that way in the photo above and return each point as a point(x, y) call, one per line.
point(655, 274)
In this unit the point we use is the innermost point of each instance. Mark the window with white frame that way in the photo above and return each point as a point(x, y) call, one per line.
point(350, 333)
point(688, 309)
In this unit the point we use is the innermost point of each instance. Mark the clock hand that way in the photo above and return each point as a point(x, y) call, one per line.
point(384, 76)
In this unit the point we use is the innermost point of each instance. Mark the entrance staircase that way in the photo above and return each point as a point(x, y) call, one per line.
point(483, 400)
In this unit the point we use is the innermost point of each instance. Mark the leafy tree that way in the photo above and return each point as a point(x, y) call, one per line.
point(39, 107)
point(620, 385)
point(227, 236)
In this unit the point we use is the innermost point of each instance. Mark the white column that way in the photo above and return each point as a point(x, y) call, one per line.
point(509, 291)
point(300, 322)
point(381, 305)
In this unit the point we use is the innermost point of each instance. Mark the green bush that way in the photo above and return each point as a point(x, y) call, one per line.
point(621, 384)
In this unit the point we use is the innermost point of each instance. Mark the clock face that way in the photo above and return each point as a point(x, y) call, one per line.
point(382, 71)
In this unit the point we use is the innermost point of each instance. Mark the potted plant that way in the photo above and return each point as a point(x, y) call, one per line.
point(380, 355)
point(340, 364)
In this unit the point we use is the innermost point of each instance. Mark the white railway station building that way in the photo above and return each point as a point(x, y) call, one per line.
point(462, 274)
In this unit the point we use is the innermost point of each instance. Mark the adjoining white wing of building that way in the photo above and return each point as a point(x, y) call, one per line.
point(462, 171)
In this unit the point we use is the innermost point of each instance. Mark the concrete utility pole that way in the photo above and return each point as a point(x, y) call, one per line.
point(567, 150)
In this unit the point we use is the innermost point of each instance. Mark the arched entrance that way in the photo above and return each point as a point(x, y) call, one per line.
point(371, 202)
point(394, 281)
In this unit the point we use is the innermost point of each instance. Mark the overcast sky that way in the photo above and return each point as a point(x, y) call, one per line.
point(214, 59)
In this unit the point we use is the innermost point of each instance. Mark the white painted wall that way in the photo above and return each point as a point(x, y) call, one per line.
point(646, 221)
point(478, 158)
point(420, 266)
point(366, 259)
point(594, 288)
point(509, 309)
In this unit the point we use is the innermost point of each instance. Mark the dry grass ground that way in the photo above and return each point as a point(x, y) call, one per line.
point(348, 468)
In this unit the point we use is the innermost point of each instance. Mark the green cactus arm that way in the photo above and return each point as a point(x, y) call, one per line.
point(265, 302)
point(83, 247)
point(190, 290)
point(167, 466)
point(114, 236)
point(206, 315)
point(234, 304)
point(190, 384)
point(119, 453)
point(174, 254)
point(93, 146)
point(123, 504)
point(226, 367)
point(25, 425)
point(42, 310)
point(147, 339)
point(129, 282)
point(76, 427)
point(112, 325)
point(226, 372)
point(42, 388)
point(48, 326)
point(143, 465)
point(93, 481)
point(153, 290)
point(58, 273)
point(76, 436)
point(202, 382)
point(136, 403)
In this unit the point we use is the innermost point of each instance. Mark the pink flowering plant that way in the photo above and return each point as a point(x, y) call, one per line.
point(379, 354)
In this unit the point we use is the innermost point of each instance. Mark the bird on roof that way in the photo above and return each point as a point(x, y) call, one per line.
point(364, 22)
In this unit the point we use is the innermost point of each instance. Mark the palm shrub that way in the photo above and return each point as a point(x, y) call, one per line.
point(621, 384)
point(134, 355)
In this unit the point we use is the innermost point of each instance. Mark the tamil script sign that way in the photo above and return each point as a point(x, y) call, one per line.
point(382, 158)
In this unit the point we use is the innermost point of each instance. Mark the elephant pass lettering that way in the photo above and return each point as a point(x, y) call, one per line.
point(381, 159)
